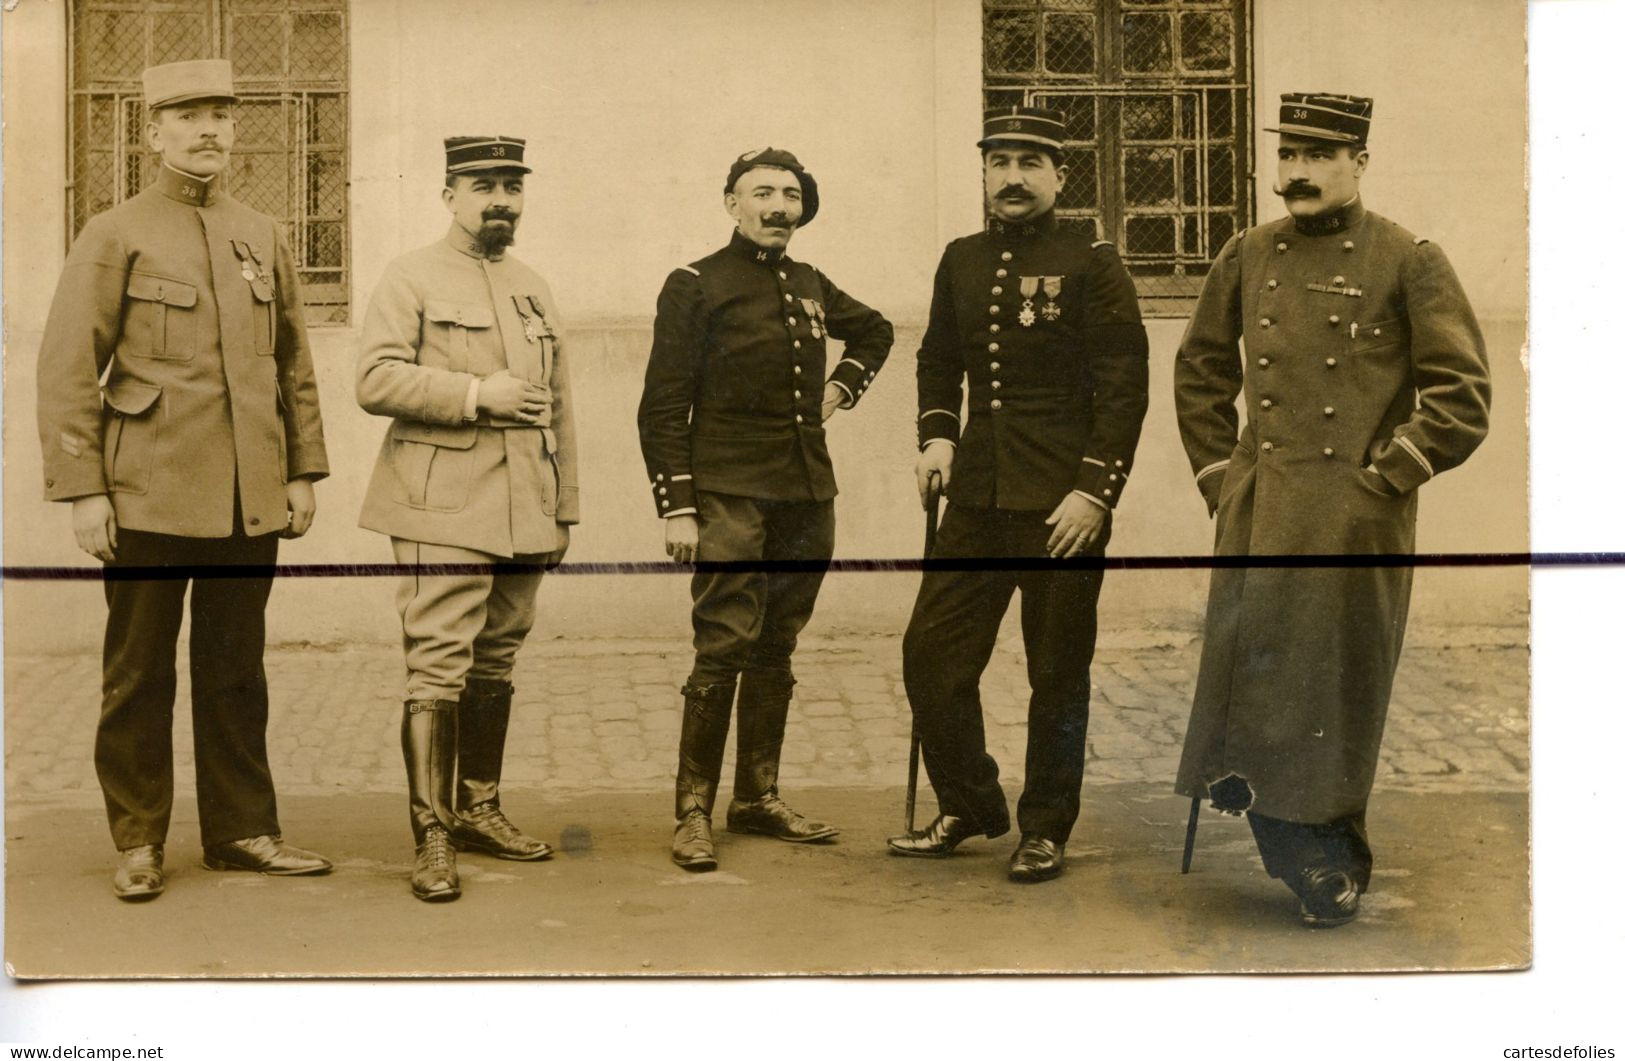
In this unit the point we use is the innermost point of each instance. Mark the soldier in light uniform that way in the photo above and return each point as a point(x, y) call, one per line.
point(1044, 324)
point(462, 348)
point(199, 449)
point(1365, 376)
point(732, 427)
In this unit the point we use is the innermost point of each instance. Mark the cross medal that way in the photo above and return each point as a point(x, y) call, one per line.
point(1052, 288)
point(1029, 288)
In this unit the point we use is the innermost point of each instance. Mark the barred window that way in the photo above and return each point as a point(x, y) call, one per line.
point(1158, 97)
point(290, 59)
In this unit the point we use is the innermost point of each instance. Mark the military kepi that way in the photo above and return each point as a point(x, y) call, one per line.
point(195, 79)
point(470, 154)
point(777, 158)
point(1023, 125)
point(1325, 116)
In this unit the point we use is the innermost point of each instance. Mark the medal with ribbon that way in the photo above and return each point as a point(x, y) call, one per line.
point(1029, 288)
point(253, 269)
point(1052, 289)
point(815, 316)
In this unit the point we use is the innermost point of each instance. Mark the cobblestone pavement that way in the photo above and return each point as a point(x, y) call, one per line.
point(604, 714)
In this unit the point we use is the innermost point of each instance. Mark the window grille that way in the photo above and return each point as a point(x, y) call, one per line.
point(291, 160)
point(1158, 98)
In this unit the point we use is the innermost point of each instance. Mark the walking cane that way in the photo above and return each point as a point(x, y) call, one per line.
point(933, 495)
point(1190, 834)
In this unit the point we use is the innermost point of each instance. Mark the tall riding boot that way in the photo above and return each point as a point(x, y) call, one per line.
point(429, 742)
point(764, 703)
point(482, 734)
point(699, 769)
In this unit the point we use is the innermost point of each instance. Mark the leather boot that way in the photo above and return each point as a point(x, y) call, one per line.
point(429, 743)
point(764, 703)
point(699, 769)
point(482, 735)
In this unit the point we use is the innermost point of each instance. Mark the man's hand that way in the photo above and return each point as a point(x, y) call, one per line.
point(834, 398)
point(556, 557)
point(95, 527)
point(683, 538)
point(301, 508)
point(1077, 522)
point(938, 456)
point(508, 398)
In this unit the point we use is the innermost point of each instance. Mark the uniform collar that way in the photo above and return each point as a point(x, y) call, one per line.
point(185, 188)
point(464, 243)
point(1041, 225)
point(751, 251)
point(1343, 218)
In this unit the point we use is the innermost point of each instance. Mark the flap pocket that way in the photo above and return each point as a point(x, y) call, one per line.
point(466, 314)
point(150, 288)
point(130, 397)
point(1381, 334)
point(461, 436)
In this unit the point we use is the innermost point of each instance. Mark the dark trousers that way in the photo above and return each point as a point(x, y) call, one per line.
point(1289, 848)
point(749, 619)
point(134, 756)
point(949, 641)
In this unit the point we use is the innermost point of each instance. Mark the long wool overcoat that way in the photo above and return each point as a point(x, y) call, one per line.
point(1364, 374)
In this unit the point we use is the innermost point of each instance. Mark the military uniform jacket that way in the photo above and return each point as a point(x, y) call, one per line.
point(732, 395)
point(1044, 325)
point(1364, 376)
point(442, 317)
point(188, 301)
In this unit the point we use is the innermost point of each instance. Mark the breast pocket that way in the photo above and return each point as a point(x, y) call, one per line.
point(160, 319)
point(449, 328)
point(130, 433)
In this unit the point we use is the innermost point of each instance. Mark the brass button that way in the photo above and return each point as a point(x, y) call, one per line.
point(660, 477)
point(788, 297)
point(1376, 331)
point(796, 344)
point(1263, 362)
point(665, 504)
point(993, 328)
point(992, 348)
point(798, 370)
point(792, 322)
point(662, 491)
point(1331, 362)
point(1268, 447)
point(994, 367)
point(1112, 477)
point(1338, 280)
point(1334, 319)
point(798, 394)
point(1348, 244)
point(1117, 463)
point(995, 403)
point(1107, 491)
point(784, 276)
point(994, 309)
point(1266, 404)
point(997, 290)
point(1328, 410)
point(1272, 285)
point(997, 384)
point(1327, 451)
point(1264, 322)
point(1002, 273)
point(1006, 256)
point(798, 418)
point(1281, 247)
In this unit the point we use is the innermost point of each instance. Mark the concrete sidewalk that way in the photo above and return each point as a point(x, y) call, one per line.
point(590, 759)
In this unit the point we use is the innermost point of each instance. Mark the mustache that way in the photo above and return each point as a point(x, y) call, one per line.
point(1298, 190)
point(1014, 192)
point(499, 213)
point(776, 220)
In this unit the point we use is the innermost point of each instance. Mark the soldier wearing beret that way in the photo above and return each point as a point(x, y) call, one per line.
point(732, 426)
point(178, 414)
point(1044, 324)
point(1365, 376)
point(462, 349)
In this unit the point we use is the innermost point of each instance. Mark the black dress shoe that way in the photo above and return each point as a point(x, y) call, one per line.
point(483, 827)
point(1037, 858)
point(691, 844)
point(265, 854)
point(771, 816)
point(936, 840)
point(1329, 897)
point(140, 873)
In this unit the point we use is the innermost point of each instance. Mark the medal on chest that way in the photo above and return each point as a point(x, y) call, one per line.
point(1052, 290)
point(815, 316)
point(1029, 289)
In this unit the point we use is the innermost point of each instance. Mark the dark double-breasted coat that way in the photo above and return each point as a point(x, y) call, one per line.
point(1363, 373)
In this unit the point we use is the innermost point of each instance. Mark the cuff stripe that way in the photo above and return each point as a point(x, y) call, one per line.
point(940, 412)
point(1216, 466)
point(1413, 451)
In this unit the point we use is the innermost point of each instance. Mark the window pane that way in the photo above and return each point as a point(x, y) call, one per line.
point(1010, 42)
point(1189, 180)
point(1221, 176)
point(1149, 235)
point(318, 46)
point(1148, 118)
point(260, 123)
point(1220, 227)
point(1082, 187)
point(1148, 176)
point(1004, 97)
point(326, 120)
point(1220, 114)
point(1069, 44)
point(324, 244)
point(112, 46)
point(325, 190)
point(1148, 43)
point(256, 46)
point(1206, 42)
point(178, 37)
point(1079, 111)
point(260, 180)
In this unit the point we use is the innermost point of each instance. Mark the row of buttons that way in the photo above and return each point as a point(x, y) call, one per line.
point(1268, 404)
point(1264, 362)
point(1281, 247)
point(1269, 447)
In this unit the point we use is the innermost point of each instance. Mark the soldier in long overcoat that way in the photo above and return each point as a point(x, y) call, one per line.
point(463, 349)
point(179, 416)
point(1364, 376)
